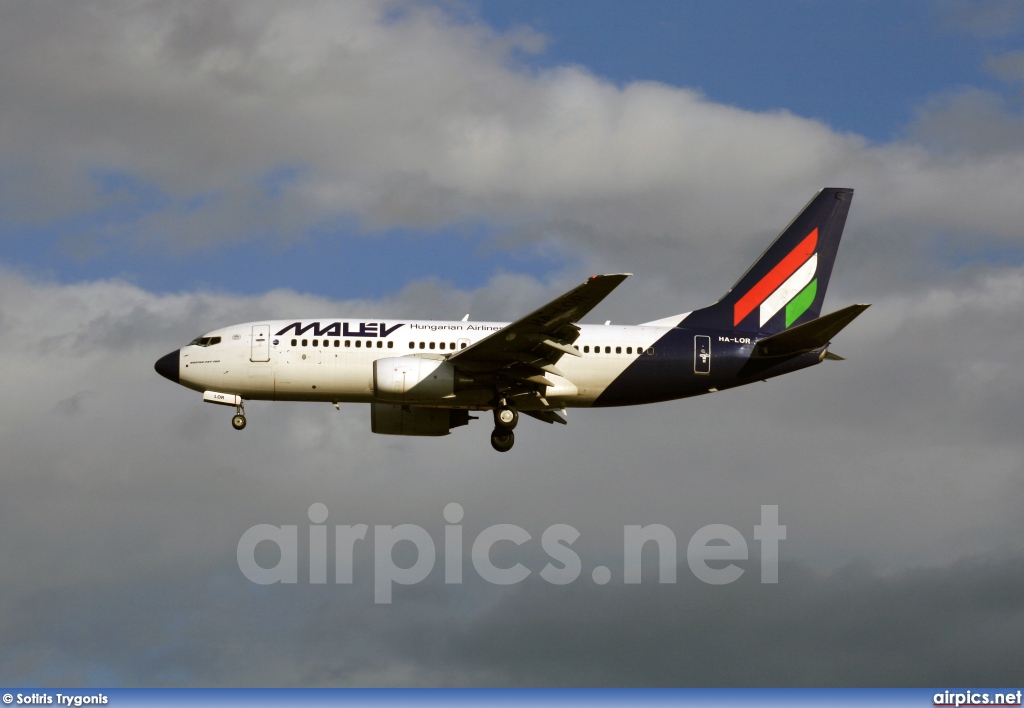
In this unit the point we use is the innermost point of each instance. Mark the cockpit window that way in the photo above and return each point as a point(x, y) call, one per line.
point(204, 341)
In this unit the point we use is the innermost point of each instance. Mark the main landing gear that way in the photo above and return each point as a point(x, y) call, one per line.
point(505, 420)
point(502, 440)
point(238, 421)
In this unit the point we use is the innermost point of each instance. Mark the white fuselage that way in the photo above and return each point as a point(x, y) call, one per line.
point(333, 360)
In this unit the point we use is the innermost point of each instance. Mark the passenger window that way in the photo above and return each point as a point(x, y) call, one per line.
point(629, 350)
point(295, 342)
point(348, 342)
point(380, 344)
point(369, 344)
point(451, 345)
point(423, 345)
point(586, 349)
point(305, 342)
point(650, 351)
point(607, 350)
point(441, 345)
point(412, 345)
point(337, 343)
point(618, 350)
point(316, 342)
point(391, 345)
point(358, 344)
point(463, 345)
point(431, 345)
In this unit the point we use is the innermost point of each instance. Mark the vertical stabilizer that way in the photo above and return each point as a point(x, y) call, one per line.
point(786, 285)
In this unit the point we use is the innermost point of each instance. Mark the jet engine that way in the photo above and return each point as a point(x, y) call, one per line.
point(413, 379)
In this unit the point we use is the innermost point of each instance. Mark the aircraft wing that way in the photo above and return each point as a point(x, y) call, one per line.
point(521, 353)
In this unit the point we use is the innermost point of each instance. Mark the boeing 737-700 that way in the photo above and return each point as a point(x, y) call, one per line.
point(426, 377)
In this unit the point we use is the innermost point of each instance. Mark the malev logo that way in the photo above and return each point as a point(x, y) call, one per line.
point(791, 285)
point(341, 329)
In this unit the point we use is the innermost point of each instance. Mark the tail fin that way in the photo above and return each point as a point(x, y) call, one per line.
point(786, 285)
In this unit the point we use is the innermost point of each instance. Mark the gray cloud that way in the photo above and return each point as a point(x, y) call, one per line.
point(851, 627)
point(970, 121)
point(233, 122)
point(957, 624)
point(895, 472)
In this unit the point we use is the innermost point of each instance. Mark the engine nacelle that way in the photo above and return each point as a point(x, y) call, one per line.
point(392, 419)
point(411, 379)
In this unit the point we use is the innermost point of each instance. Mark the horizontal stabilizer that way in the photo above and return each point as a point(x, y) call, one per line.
point(808, 336)
point(545, 416)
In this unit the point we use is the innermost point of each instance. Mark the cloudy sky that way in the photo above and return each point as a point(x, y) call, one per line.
point(170, 167)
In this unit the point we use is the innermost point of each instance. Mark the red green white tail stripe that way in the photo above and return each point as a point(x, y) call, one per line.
point(791, 285)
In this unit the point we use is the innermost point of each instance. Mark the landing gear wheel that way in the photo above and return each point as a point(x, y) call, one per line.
point(502, 440)
point(506, 417)
point(238, 422)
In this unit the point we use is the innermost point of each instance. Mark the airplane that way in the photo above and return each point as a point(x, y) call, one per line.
point(425, 377)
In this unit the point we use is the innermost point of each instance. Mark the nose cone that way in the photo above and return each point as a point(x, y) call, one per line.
point(167, 366)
